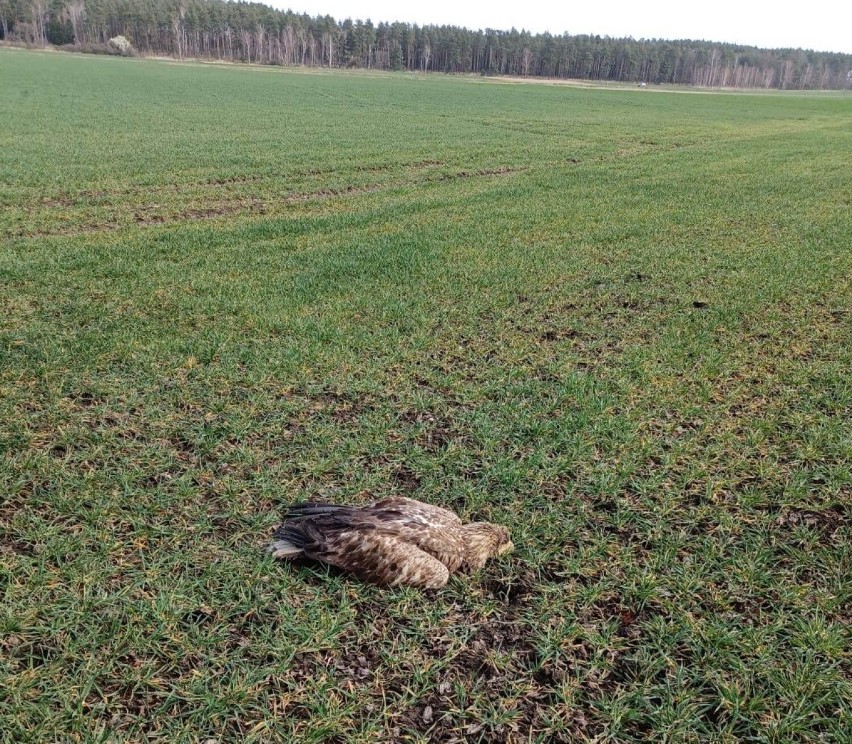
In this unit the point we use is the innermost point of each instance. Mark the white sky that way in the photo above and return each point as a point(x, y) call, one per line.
point(824, 25)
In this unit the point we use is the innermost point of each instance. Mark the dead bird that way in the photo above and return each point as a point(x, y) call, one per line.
point(396, 541)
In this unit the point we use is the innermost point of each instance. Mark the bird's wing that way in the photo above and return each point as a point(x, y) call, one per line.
point(432, 529)
point(378, 557)
point(435, 515)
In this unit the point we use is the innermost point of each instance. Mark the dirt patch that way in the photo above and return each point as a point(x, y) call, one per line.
point(234, 179)
point(427, 164)
point(143, 217)
point(86, 195)
point(405, 479)
point(217, 205)
point(433, 429)
point(13, 545)
point(504, 170)
point(334, 192)
point(561, 334)
point(342, 407)
point(827, 522)
point(514, 588)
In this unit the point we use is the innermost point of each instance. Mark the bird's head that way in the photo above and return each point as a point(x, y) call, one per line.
point(484, 540)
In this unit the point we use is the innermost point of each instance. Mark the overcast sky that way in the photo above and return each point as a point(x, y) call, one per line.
point(824, 25)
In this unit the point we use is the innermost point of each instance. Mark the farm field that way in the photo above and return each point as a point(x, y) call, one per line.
point(618, 321)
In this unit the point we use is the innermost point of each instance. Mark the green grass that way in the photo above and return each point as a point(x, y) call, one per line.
point(617, 321)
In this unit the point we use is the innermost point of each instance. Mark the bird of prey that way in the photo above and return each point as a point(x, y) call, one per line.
point(396, 541)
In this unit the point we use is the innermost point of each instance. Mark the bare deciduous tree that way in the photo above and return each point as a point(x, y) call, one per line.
point(76, 14)
point(179, 30)
point(526, 60)
point(38, 13)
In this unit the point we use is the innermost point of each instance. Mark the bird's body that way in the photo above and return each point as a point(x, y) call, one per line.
point(395, 541)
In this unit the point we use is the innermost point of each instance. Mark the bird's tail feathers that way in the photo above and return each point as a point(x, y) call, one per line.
point(299, 528)
point(284, 550)
point(287, 542)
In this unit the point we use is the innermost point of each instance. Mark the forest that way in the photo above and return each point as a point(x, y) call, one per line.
point(258, 34)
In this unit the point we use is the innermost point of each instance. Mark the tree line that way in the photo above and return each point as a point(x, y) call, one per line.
point(256, 33)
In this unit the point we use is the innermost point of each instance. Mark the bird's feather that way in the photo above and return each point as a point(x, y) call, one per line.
point(313, 509)
point(382, 559)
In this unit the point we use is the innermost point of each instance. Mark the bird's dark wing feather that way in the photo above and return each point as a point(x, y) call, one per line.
point(315, 509)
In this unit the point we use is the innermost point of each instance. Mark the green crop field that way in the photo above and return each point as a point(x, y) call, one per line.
point(618, 321)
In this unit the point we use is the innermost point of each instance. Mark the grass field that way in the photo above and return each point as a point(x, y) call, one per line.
point(617, 321)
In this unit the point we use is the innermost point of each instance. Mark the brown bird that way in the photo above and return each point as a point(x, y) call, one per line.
point(395, 541)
